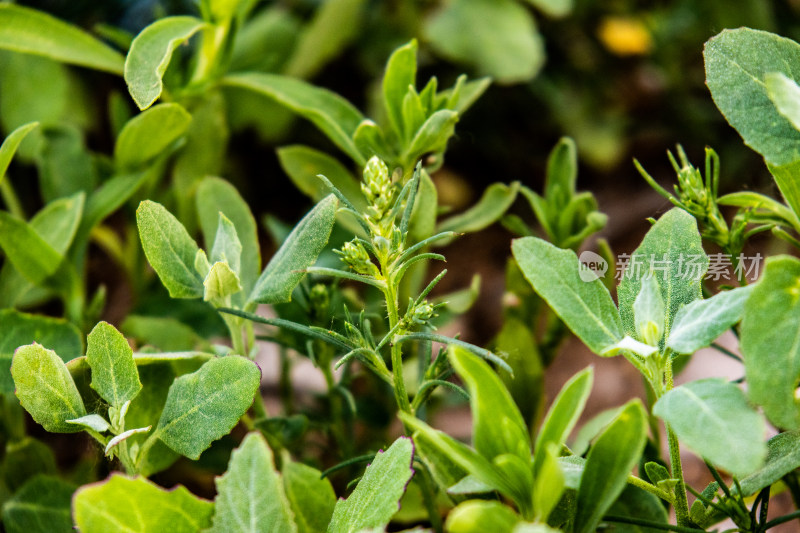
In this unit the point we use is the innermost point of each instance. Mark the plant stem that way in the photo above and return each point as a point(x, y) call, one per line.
point(397, 355)
point(781, 520)
point(648, 523)
point(10, 198)
point(652, 489)
point(681, 502)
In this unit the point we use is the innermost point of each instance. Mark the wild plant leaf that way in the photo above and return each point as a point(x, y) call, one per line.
point(786, 178)
point(494, 203)
point(423, 216)
point(227, 247)
point(497, 425)
point(150, 54)
point(432, 136)
point(93, 421)
point(24, 459)
point(784, 92)
point(610, 461)
point(590, 429)
point(761, 203)
point(522, 355)
point(310, 495)
point(769, 341)
point(64, 163)
point(469, 485)
point(370, 140)
point(699, 323)
point(478, 516)
point(376, 497)
point(33, 32)
point(673, 252)
point(332, 28)
point(149, 134)
point(722, 428)
point(166, 334)
point(18, 329)
point(27, 251)
point(298, 252)
point(332, 114)
point(401, 73)
point(45, 388)
point(215, 196)
point(783, 456)
point(12, 142)
point(563, 415)
point(205, 405)
point(42, 505)
point(549, 484)
point(220, 283)
point(148, 508)
point(169, 249)
point(496, 37)
point(250, 496)
point(114, 374)
point(304, 165)
point(648, 312)
point(585, 306)
point(553, 8)
point(737, 62)
point(638, 504)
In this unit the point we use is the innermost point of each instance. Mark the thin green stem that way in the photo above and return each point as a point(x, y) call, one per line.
point(397, 355)
point(681, 502)
point(652, 489)
point(782, 520)
point(11, 200)
point(648, 523)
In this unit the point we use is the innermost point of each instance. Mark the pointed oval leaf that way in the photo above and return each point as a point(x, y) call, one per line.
point(311, 496)
point(377, 496)
point(42, 505)
point(149, 134)
point(737, 62)
point(585, 306)
point(783, 456)
point(770, 341)
point(150, 54)
point(478, 516)
point(722, 428)
point(648, 312)
point(401, 72)
point(45, 388)
point(93, 421)
point(27, 251)
point(33, 32)
point(494, 203)
point(147, 508)
point(298, 252)
point(12, 142)
point(220, 283)
point(784, 93)
point(250, 496)
point(673, 252)
point(432, 136)
point(699, 323)
point(114, 374)
point(497, 425)
point(18, 329)
point(203, 406)
point(332, 114)
point(227, 247)
point(608, 465)
point(215, 196)
point(303, 165)
point(169, 249)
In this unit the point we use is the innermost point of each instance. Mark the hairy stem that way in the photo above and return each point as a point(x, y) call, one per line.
point(681, 502)
point(652, 489)
point(397, 355)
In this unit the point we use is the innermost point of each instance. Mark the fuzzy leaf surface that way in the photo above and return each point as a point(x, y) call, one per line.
point(114, 374)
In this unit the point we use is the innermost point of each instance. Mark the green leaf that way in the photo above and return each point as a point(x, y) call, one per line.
point(149, 134)
point(332, 114)
point(376, 497)
point(786, 177)
point(45, 388)
point(784, 93)
point(590, 429)
point(220, 283)
point(432, 136)
point(496, 37)
point(563, 415)
point(608, 465)
point(147, 508)
point(215, 196)
point(205, 405)
point(65, 165)
point(150, 54)
point(33, 32)
point(333, 27)
point(637, 503)
point(477, 516)
point(18, 329)
point(497, 425)
point(401, 73)
point(27, 251)
point(553, 8)
point(737, 62)
point(227, 247)
point(673, 252)
point(549, 484)
point(303, 165)
point(42, 505)
point(12, 142)
point(169, 249)
point(93, 421)
point(522, 355)
point(166, 334)
point(648, 312)
point(311, 496)
point(250, 496)
point(783, 456)
point(769, 341)
point(494, 202)
point(298, 252)
point(699, 323)
point(24, 459)
point(722, 428)
point(585, 306)
point(114, 374)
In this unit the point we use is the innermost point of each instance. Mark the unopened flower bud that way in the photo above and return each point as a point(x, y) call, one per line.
point(356, 257)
